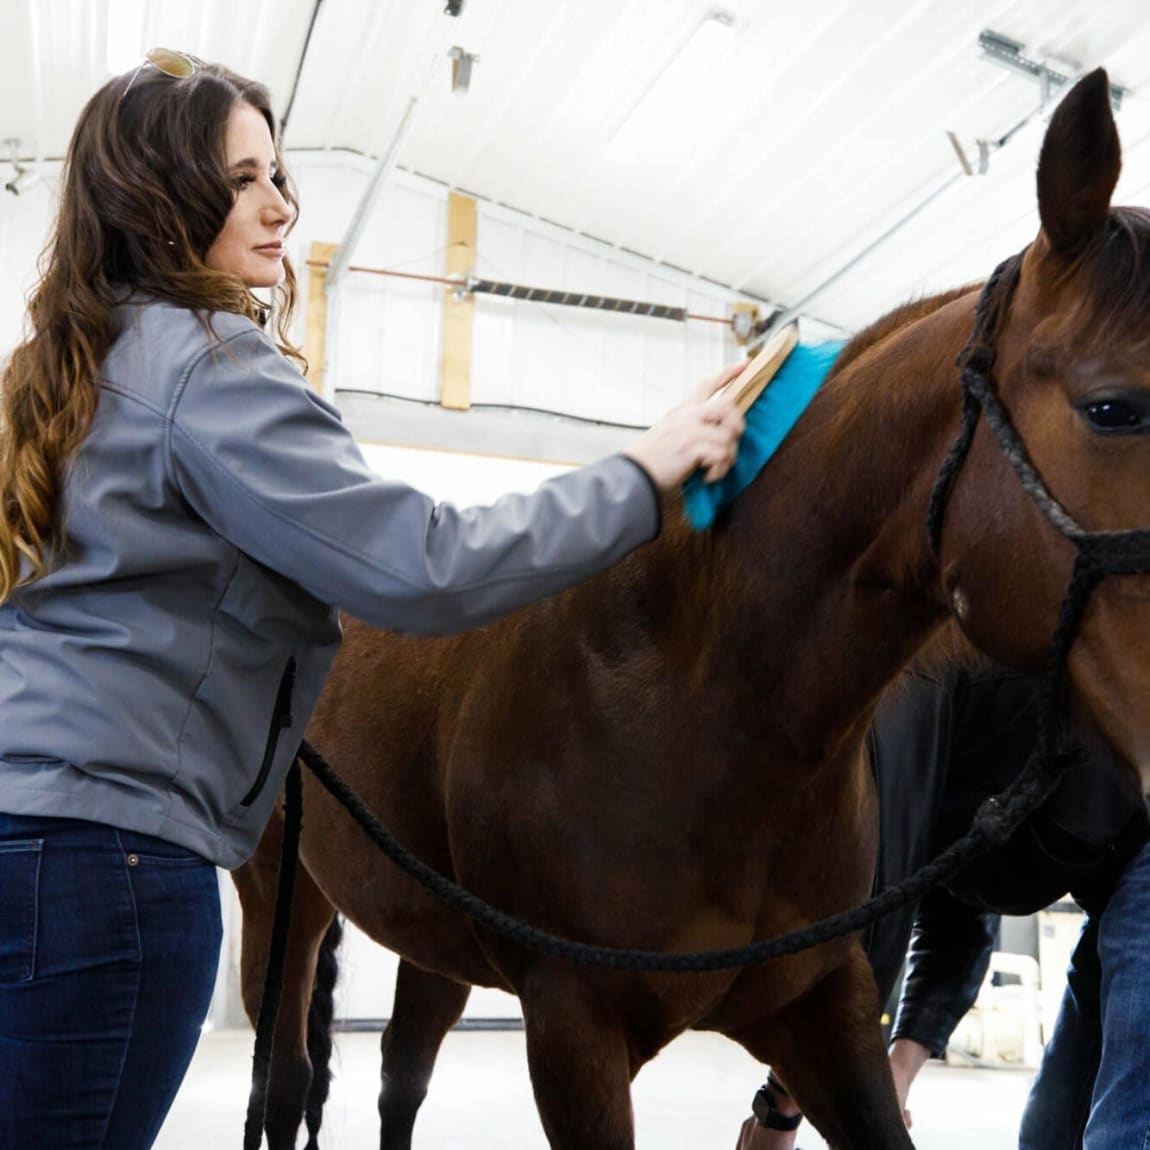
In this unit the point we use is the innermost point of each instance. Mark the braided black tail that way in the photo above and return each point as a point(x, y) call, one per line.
point(319, 1019)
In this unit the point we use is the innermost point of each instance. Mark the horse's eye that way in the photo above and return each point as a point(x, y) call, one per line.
point(1115, 415)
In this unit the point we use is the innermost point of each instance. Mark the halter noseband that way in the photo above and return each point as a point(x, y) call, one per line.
point(1099, 553)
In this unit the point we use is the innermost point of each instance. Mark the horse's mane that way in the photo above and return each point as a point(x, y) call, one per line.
point(906, 313)
point(841, 403)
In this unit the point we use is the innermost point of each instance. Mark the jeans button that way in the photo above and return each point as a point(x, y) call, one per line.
point(133, 860)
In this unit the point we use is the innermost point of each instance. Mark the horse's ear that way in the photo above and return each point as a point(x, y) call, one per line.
point(1079, 165)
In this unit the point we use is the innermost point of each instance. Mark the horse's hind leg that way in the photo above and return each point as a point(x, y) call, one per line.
point(580, 1065)
point(290, 1073)
point(426, 1007)
point(827, 1049)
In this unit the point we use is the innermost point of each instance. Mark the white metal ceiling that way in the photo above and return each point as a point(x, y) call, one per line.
point(822, 127)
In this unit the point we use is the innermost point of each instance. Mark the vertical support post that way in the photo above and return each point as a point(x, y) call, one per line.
point(455, 372)
point(315, 338)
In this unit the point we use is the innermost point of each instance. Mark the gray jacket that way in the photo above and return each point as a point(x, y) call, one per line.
point(161, 675)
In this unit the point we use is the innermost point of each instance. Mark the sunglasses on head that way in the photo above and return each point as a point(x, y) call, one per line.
point(178, 65)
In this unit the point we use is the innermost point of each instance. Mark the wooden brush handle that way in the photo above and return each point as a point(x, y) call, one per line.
point(748, 385)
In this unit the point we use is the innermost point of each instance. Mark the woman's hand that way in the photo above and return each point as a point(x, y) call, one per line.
point(907, 1058)
point(700, 432)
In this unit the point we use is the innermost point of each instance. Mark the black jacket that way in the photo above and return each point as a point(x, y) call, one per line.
point(940, 746)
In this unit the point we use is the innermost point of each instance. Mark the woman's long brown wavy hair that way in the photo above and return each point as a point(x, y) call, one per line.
point(145, 191)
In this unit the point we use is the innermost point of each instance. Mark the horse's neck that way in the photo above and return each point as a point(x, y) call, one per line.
point(825, 566)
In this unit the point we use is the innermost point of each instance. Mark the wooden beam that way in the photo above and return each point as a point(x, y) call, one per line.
point(315, 338)
point(455, 372)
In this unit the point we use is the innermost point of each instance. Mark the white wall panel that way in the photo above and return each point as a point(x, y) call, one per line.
point(591, 365)
point(390, 328)
point(361, 334)
point(496, 337)
point(407, 232)
point(25, 221)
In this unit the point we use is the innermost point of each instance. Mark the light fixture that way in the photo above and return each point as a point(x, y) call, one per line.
point(673, 86)
point(461, 63)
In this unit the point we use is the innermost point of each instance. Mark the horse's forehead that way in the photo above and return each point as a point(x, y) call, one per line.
point(1101, 301)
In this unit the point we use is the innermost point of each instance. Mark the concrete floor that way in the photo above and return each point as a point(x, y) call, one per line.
point(694, 1095)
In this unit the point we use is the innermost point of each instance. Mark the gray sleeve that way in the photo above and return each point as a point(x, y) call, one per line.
point(270, 467)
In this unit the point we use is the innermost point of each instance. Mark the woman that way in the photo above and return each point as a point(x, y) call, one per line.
point(180, 515)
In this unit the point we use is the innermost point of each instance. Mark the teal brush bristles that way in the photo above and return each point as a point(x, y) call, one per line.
point(769, 420)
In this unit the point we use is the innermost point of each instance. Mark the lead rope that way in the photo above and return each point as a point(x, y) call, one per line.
point(277, 961)
point(995, 820)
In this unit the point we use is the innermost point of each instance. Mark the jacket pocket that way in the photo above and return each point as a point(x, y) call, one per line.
point(281, 718)
point(19, 899)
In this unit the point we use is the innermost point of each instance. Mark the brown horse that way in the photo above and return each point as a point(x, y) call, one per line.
point(670, 756)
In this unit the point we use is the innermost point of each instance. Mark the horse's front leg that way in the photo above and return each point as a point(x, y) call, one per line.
point(426, 1007)
point(579, 1061)
point(827, 1049)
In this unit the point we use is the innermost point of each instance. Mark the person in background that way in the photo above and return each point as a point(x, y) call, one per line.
point(180, 518)
point(1092, 1090)
point(939, 746)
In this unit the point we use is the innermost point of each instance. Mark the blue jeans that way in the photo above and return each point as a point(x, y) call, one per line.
point(109, 943)
point(1060, 1098)
point(1120, 1113)
point(1093, 1089)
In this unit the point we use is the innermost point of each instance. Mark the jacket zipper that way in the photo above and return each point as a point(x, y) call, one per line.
point(281, 718)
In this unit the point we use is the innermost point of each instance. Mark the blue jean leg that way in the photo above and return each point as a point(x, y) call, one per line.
point(1120, 1115)
point(1059, 1101)
point(109, 943)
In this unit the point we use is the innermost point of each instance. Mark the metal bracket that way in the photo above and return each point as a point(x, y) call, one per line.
point(1051, 73)
point(984, 147)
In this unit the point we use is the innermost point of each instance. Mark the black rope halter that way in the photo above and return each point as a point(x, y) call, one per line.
point(1098, 553)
